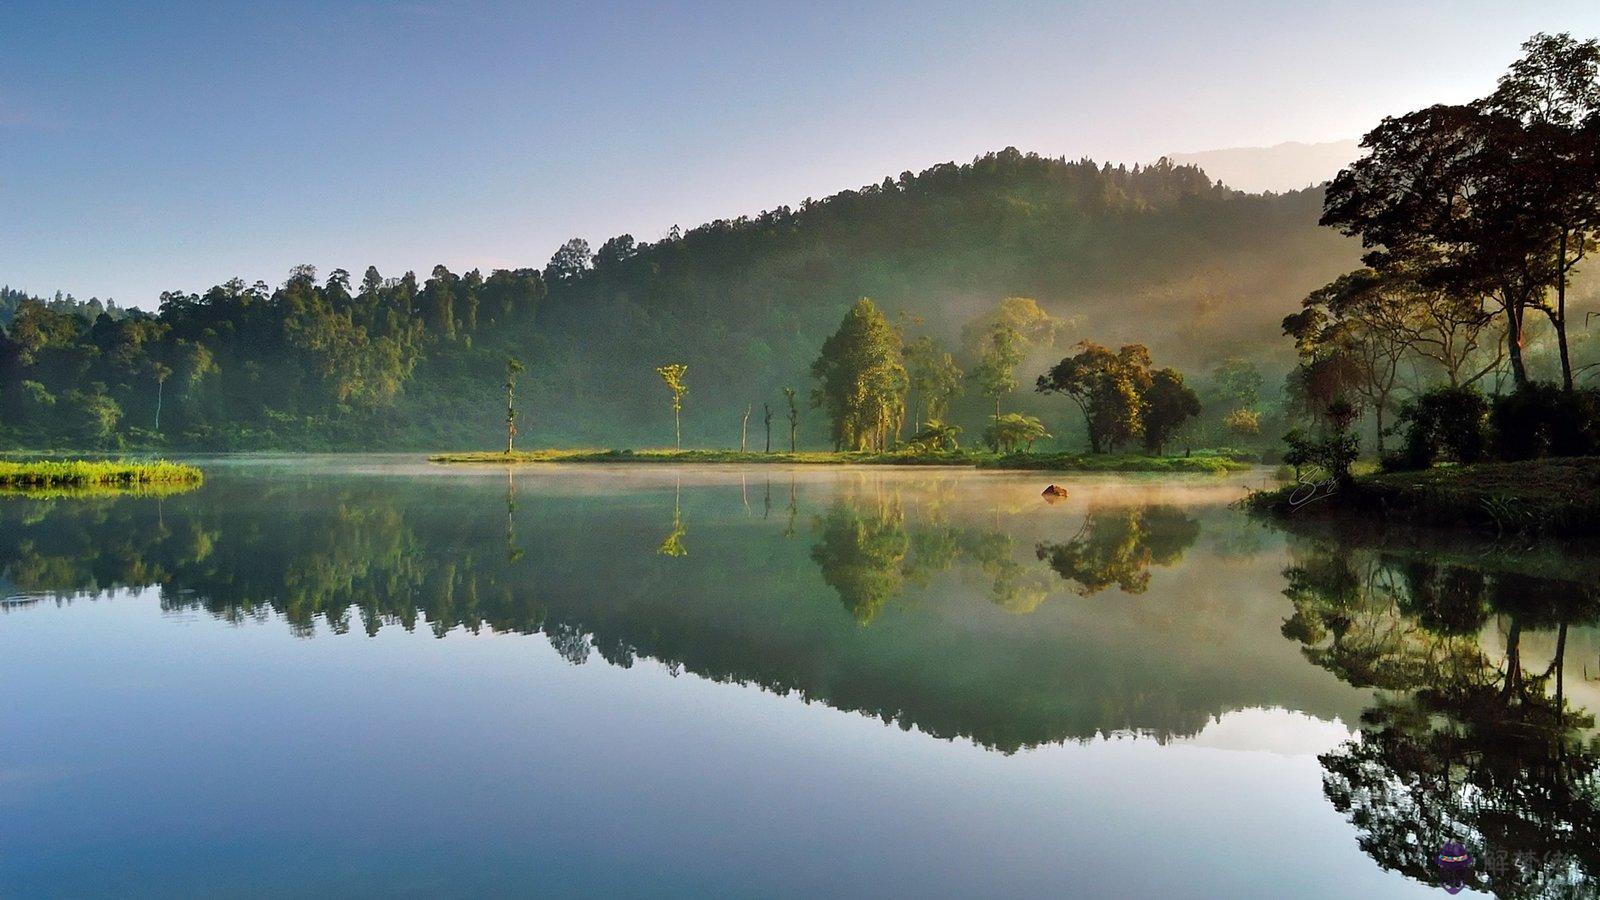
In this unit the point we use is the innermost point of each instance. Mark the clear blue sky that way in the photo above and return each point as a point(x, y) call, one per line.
point(146, 146)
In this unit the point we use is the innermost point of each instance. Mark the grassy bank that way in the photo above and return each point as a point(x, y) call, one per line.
point(82, 474)
point(1053, 462)
point(1547, 496)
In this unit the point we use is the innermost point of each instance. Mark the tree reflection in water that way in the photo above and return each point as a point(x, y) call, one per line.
point(1463, 742)
point(1118, 545)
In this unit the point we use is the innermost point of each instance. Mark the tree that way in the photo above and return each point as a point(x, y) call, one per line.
point(936, 435)
point(1168, 405)
point(1434, 197)
point(1360, 326)
point(766, 418)
point(1108, 389)
point(862, 380)
point(1002, 339)
point(673, 376)
point(161, 372)
point(934, 378)
point(1553, 93)
point(94, 415)
point(570, 260)
point(1243, 422)
point(1238, 381)
point(513, 369)
point(1006, 433)
point(794, 416)
point(744, 428)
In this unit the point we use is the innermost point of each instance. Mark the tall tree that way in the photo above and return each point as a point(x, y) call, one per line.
point(1434, 196)
point(1003, 338)
point(1108, 388)
point(1168, 405)
point(934, 378)
point(862, 380)
point(1553, 93)
point(794, 416)
point(513, 369)
point(673, 376)
point(161, 371)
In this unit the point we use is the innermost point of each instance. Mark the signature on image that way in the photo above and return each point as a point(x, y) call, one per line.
point(1307, 489)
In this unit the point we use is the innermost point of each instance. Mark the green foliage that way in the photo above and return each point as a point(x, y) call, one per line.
point(1108, 389)
point(1245, 422)
point(1168, 405)
point(672, 375)
point(79, 473)
point(933, 377)
point(1238, 381)
point(1333, 453)
point(363, 360)
point(936, 435)
point(862, 380)
point(1540, 420)
point(1444, 423)
point(1007, 432)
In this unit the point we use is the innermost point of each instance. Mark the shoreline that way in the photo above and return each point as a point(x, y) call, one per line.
point(1208, 463)
point(1559, 495)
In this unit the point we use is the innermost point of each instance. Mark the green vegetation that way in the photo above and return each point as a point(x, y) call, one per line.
point(1552, 497)
point(1475, 218)
point(88, 474)
point(362, 359)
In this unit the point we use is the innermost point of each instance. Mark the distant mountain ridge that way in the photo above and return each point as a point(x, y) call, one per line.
point(1290, 166)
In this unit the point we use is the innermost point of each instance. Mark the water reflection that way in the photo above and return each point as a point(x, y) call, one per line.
point(1117, 546)
point(959, 605)
point(935, 601)
point(1469, 740)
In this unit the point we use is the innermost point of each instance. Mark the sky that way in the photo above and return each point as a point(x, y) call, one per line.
point(154, 146)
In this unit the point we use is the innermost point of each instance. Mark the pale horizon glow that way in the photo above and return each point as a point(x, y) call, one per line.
point(145, 149)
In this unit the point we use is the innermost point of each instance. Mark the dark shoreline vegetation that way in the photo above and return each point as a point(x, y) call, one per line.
point(1200, 462)
point(87, 475)
point(1548, 497)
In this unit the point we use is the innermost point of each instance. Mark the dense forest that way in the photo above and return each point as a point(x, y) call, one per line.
point(1160, 255)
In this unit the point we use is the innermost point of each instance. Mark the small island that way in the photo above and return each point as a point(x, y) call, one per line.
point(84, 474)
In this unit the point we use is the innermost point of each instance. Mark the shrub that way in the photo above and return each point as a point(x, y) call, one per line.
point(1541, 420)
point(1011, 430)
point(1243, 422)
point(1334, 454)
point(1443, 423)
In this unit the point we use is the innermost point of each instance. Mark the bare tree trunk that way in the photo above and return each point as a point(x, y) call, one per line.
point(744, 428)
point(677, 421)
point(766, 413)
point(1561, 314)
point(161, 384)
point(1378, 411)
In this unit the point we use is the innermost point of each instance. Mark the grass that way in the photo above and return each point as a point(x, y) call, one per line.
point(82, 474)
point(1545, 496)
point(1065, 462)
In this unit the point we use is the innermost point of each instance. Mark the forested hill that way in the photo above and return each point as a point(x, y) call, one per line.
point(1159, 255)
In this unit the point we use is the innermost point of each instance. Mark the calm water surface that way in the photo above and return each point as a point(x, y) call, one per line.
point(369, 675)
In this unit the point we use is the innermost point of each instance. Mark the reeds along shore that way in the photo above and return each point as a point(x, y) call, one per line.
point(80, 473)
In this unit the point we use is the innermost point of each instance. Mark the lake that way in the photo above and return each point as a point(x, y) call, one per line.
point(369, 675)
